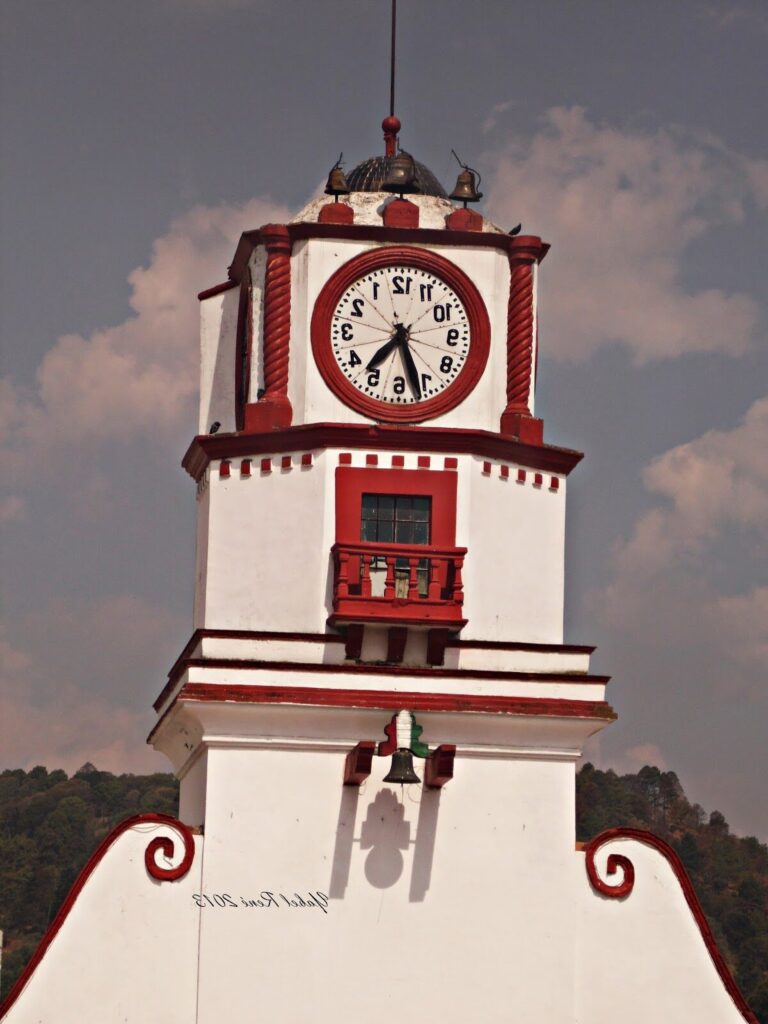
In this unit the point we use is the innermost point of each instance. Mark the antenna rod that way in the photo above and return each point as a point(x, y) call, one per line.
point(392, 61)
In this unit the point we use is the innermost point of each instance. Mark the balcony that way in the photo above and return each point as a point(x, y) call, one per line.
point(398, 584)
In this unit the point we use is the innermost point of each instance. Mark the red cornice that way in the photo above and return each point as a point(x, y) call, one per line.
point(211, 447)
point(159, 844)
point(528, 246)
point(386, 699)
point(217, 289)
point(618, 862)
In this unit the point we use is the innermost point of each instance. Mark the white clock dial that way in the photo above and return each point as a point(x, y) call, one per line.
point(400, 334)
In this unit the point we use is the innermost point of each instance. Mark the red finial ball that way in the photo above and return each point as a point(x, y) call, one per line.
point(391, 126)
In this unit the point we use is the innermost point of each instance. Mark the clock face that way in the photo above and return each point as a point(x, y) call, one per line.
point(400, 334)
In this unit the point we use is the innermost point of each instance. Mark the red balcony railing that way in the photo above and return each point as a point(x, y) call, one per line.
point(410, 584)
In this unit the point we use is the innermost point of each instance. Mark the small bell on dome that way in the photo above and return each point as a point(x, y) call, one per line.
point(401, 176)
point(337, 183)
point(466, 190)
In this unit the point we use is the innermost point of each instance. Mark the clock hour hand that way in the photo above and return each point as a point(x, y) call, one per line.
point(384, 351)
point(410, 367)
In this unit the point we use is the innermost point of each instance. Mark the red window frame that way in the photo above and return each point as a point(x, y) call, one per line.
point(353, 482)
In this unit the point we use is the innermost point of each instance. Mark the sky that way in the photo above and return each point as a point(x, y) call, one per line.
point(137, 141)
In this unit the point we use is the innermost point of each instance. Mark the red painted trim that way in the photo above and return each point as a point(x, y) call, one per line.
point(371, 460)
point(273, 410)
point(538, 479)
point(519, 337)
point(353, 646)
point(451, 464)
point(437, 640)
point(224, 469)
point(217, 289)
point(400, 213)
point(207, 447)
point(423, 461)
point(554, 484)
point(618, 862)
point(505, 472)
point(477, 315)
point(336, 213)
point(438, 768)
point(162, 844)
point(345, 459)
point(518, 247)
point(351, 484)
point(487, 468)
point(245, 467)
point(357, 764)
point(388, 699)
point(306, 459)
point(521, 475)
point(397, 638)
point(285, 462)
point(398, 461)
point(464, 220)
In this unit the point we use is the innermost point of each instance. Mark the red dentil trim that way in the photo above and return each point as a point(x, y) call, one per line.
point(388, 699)
point(520, 246)
point(160, 844)
point(618, 862)
point(423, 259)
point(217, 289)
point(210, 447)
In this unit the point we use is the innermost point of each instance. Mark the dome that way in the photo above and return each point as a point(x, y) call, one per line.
point(369, 175)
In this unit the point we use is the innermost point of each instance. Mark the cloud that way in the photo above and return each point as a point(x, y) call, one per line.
point(137, 379)
point(623, 208)
point(77, 681)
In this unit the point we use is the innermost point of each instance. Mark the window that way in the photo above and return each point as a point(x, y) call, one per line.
point(396, 518)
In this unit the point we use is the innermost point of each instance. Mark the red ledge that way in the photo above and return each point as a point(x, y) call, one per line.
point(387, 699)
point(525, 246)
point(209, 447)
point(217, 289)
point(618, 862)
point(161, 844)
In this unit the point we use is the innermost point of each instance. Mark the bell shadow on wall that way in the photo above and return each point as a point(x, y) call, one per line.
point(386, 835)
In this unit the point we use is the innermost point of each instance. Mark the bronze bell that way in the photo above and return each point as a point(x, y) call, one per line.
point(466, 188)
point(401, 176)
point(337, 183)
point(401, 769)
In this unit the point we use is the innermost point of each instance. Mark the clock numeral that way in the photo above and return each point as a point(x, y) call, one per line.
point(346, 332)
point(424, 378)
point(398, 385)
point(354, 358)
point(442, 312)
point(397, 285)
point(357, 307)
point(446, 364)
point(373, 378)
point(425, 291)
point(453, 336)
point(375, 287)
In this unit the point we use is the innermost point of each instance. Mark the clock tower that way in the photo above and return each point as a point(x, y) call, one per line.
point(376, 720)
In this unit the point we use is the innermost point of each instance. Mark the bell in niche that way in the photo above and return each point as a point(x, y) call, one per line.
point(337, 183)
point(466, 190)
point(401, 769)
point(401, 177)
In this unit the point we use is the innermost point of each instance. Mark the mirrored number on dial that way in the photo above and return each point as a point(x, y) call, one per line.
point(397, 285)
point(425, 292)
point(357, 307)
point(375, 288)
point(446, 364)
point(453, 337)
point(354, 358)
point(398, 385)
point(373, 378)
point(441, 312)
point(425, 378)
point(346, 332)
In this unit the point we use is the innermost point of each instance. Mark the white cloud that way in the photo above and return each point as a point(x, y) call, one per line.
point(622, 208)
point(138, 378)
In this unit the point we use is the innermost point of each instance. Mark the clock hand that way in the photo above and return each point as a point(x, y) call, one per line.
point(382, 353)
point(410, 366)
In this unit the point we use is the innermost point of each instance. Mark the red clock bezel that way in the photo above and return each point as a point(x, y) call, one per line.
point(421, 259)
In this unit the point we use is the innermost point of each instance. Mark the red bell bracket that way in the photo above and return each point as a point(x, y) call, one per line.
point(357, 766)
point(439, 766)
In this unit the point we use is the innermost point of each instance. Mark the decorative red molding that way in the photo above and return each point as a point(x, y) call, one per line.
point(423, 461)
point(397, 638)
point(353, 647)
point(345, 459)
point(438, 768)
point(286, 462)
point(398, 461)
point(554, 484)
point(451, 464)
point(396, 700)
point(371, 460)
point(521, 474)
point(224, 466)
point(519, 246)
point(273, 410)
point(216, 289)
point(505, 472)
point(437, 640)
point(357, 764)
point(400, 213)
point(618, 862)
point(538, 479)
point(245, 467)
point(306, 459)
point(464, 220)
point(266, 465)
point(519, 337)
point(160, 844)
point(336, 213)
point(423, 259)
point(388, 437)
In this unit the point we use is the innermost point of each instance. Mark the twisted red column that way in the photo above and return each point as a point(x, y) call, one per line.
point(516, 418)
point(273, 410)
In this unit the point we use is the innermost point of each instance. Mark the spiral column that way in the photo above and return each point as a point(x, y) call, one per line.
point(516, 420)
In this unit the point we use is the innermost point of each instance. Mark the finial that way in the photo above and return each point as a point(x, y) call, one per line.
point(391, 124)
point(391, 128)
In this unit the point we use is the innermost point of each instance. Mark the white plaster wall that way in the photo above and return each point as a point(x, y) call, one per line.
point(449, 904)
point(127, 952)
point(218, 334)
point(642, 957)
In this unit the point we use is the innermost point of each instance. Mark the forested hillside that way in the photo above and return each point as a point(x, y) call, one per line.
point(50, 824)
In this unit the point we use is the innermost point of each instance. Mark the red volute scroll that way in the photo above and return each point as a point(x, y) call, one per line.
point(624, 885)
point(160, 844)
point(273, 410)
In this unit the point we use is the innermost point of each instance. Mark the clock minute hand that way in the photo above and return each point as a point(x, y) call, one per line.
point(410, 366)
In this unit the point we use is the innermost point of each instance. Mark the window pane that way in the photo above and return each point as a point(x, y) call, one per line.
point(404, 533)
point(369, 530)
point(385, 532)
point(370, 505)
point(422, 506)
point(420, 533)
point(386, 501)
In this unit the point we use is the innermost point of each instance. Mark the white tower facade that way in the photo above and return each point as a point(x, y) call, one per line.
point(380, 575)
